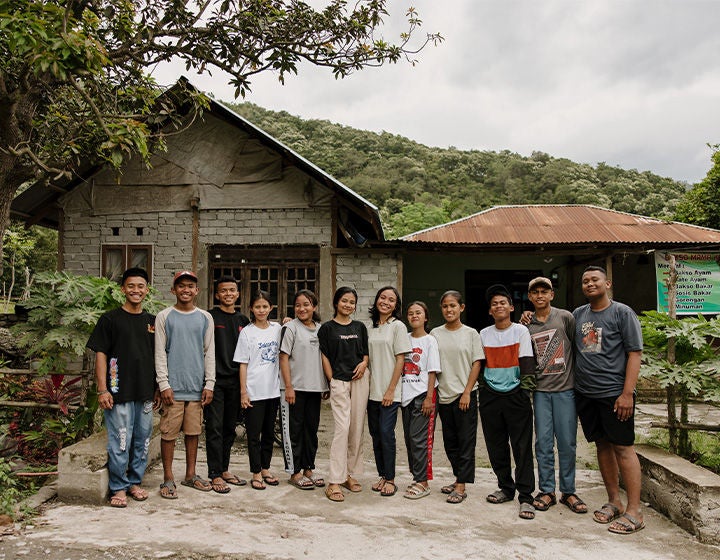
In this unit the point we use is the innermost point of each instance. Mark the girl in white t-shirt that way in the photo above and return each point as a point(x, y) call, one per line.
point(304, 385)
point(257, 353)
point(419, 403)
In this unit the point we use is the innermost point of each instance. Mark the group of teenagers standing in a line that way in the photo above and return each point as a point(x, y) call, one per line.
point(556, 367)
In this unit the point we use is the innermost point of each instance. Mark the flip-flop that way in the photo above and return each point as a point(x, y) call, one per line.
point(197, 483)
point(118, 501)
point(456, 497)
point(256, 484)
point(318, 481)
point(378, 486)
point(137, 493)
point(610, 513)
point(626, 525)
point(219, 487)
point(168, 490)
point(271, 480)
point(235, 481)
point(303, 483)
point(542, 505)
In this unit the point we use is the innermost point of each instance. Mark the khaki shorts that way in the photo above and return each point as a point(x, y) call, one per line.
point(181, 415)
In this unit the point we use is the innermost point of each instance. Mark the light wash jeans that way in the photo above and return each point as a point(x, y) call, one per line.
point(555, 420)
point(129, 426)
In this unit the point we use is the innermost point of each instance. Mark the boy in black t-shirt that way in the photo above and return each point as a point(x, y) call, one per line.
point(123, 341)
point(222, 413)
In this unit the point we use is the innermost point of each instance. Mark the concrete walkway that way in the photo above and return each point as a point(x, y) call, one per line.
point(283, 522)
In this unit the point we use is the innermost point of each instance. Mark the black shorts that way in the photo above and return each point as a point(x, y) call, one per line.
point(600, 422)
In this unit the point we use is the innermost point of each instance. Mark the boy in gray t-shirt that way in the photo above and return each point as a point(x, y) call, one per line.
point(552, 331)
point(608, 344)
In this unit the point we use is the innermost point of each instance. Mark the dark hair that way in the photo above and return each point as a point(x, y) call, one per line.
point(595, 268)
point(397, 312)
point(312, 298)
point(225, 280)
point(424, 308)
point(135, 271)
point(454, 294)
point(260, 294)
point(340, 292)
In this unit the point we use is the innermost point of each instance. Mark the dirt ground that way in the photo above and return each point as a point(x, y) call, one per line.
point(283, 522)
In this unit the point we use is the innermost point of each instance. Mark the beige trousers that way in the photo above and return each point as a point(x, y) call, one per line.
point(348, 400)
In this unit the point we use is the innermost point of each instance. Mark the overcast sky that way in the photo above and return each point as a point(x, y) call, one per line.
point(634, 83)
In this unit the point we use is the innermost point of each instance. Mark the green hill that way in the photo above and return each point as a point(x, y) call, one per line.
point(416, 186)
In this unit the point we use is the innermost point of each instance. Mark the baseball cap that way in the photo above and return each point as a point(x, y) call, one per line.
point(497, 290)
point(540, 281)
point(184, 274)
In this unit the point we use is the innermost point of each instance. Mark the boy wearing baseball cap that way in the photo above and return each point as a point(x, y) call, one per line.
point(185, 371)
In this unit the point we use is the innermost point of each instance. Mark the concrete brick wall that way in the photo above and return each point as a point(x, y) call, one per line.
point(170, 234)
point(367, 273)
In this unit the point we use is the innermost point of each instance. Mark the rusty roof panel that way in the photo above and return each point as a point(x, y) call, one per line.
point(562, 224)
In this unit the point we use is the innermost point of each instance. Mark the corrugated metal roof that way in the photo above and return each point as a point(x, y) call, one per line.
point(562, 224)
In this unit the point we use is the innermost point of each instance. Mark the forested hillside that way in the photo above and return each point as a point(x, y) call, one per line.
point(416, 186)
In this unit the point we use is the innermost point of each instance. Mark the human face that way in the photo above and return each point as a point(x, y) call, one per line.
point(185, 290)
point(386, 303)
point(500, 308)
point(346, 305)
point(135, 289)
point(227, 294)
point(595, 285)
point(416, 317)
point(451, 309)
point(540, 297)
point(261, 308)
point(304, 310)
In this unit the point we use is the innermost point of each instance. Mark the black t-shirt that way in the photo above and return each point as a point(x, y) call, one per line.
point(128, 341)
point(227, 330)
point(344, 346)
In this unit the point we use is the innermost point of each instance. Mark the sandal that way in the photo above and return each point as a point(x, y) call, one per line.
point(303, 483)
point(416, 491)
point(541, 504)
point(118, 501)
point(527, 511)
point(576, 506)
point(449, 489)
point(387, 494)
point(626, 524)
point(334, 494)
point(498, 497)
point(351, 484)
point(607, 514)
point(235, 481)
point(318, 481)
point(168, 490)
point(197, 483)
point(378, 486)
point(456, 497)
point(219, 485)
point(256, 484)
point(138, 494)
point(271, 479)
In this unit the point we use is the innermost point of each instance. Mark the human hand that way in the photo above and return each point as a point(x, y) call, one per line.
point(207, 397)
point(428, 406)
point(526, 317)
point(168, 397)
point(464, 402)
point(290, 395)
point(623, 407)
point(105, 400)
point(359, 371)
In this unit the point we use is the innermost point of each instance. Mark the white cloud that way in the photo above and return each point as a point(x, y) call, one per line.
point(630, 83)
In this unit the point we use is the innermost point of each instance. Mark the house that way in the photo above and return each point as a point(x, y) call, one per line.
point(513, 244)
point(225, 198)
